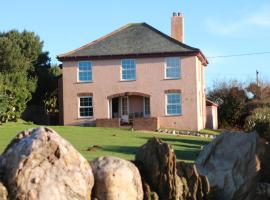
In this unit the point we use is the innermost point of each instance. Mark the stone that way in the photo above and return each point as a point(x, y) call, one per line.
point(263, 190)
point(39, 164)
point(158, 166)
point(3, 192)
point(116, 178)
point(265, 163)
point(231, 164)
point(197, 187)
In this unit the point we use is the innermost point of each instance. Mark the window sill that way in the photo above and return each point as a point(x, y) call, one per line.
point(178, 115)
point(83, 82)
point(172, 78)
point(85, 118)
point(128, 80)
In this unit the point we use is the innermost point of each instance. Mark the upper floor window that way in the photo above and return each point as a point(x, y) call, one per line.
point(85, 71)
point(173, 104)
point(85, 106)
point(172, 70)
point(128, 71)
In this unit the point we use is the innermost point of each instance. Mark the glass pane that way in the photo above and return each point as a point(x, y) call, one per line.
point(128, 69)
point(85, 65)
point(173, 67)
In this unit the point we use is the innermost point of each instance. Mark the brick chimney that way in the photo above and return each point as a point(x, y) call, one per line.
point(177, 27)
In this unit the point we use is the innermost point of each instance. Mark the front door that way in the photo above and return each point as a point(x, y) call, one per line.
point(124, 109)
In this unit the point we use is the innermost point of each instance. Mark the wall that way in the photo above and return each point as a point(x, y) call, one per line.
point(108, 123)
point(146, 124)
point(212, 117)
point(150, 80)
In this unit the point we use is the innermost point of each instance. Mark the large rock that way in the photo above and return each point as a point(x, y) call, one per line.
point(116, 179)
point(39, 164)
point(3, 192)
point(158, 167)
point(196, 187)
point(231, 164)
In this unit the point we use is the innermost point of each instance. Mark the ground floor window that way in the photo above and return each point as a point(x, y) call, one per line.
point(173, 104)
point(85, 106)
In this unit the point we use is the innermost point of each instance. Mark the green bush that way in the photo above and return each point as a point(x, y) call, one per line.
point(259, 121)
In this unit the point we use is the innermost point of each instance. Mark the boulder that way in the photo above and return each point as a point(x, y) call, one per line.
point(3, 192)
point(265, 163)
point(196, 186)
point(116, 178)
point(157, 162)
point(39, 164)
point(231, 164)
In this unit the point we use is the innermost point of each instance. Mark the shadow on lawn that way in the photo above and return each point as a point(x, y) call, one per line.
point(187, 141)
point(185, 154)
point(130, 150)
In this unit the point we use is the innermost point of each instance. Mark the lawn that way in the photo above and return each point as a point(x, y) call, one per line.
point(114, 142)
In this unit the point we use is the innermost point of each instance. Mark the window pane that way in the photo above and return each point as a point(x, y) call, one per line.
point(173, 67)
point(128, 69)
point(86, 107)
point(174, 104)
point(85, 71)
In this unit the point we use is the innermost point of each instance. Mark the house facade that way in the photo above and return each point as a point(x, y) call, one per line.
point(135, 75)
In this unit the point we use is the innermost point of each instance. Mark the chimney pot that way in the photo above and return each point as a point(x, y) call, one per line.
point(174, 14)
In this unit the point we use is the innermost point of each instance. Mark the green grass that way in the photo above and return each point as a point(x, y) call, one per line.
point(114, 142)
point(209, 132)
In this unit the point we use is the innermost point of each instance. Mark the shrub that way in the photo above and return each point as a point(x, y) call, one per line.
point(259, 121)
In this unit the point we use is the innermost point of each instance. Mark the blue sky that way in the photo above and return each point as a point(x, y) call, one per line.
point(216, 27)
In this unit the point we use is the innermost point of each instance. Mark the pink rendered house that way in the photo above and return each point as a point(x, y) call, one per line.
point(135, 75)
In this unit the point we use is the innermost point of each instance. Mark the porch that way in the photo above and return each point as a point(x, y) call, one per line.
point(129, 110)
point(128, 106)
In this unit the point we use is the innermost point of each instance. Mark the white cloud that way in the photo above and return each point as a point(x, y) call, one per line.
point(248, 21)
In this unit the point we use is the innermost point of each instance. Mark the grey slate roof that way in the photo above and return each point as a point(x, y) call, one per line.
point(132, 39)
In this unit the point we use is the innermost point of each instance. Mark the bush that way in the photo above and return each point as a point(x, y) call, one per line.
point(259, 121)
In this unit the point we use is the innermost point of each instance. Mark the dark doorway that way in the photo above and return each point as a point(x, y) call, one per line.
point(115, 107)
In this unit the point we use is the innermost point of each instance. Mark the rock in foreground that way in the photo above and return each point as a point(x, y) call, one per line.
point(231, 164)
point(39, 164)
point(157, 163)
point(3, 192)
point(116, 179)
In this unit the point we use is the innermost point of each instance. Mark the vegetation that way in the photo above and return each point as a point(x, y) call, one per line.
point(241, 105)
point(25, 71)
point(114, 142)
point(259, 121)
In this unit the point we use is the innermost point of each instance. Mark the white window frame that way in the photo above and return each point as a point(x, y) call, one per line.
point(79, 106)
point(166, 66)
point(121, 74)
point(180, 104)
point(86, 71)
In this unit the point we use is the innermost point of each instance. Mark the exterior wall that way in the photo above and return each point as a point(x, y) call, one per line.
point(135, 104)
point(150, 80)
point(108, 123)
point(201, 98)
point(60, 97)
point(212, 117)
point(147, 124)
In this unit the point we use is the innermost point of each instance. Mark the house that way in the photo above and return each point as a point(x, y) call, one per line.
point(135, 75)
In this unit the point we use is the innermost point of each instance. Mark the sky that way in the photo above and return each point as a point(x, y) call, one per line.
point(218, 28)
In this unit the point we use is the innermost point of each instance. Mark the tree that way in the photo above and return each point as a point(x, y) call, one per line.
point(19, 52)
point(231, 98)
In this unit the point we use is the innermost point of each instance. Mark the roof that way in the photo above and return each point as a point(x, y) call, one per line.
point(211, 103)
point(134, 40)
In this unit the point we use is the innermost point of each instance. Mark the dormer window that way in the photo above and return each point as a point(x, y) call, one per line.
point(84, 71)
point(128, 70)
point(172, 68)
